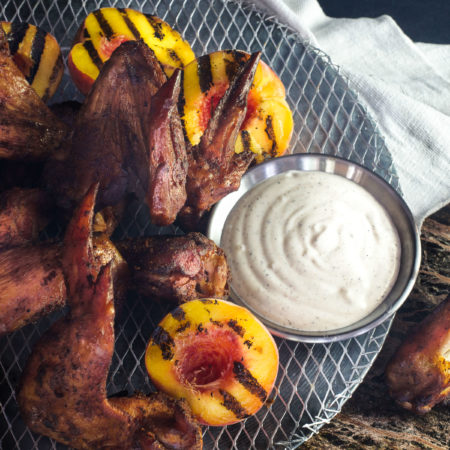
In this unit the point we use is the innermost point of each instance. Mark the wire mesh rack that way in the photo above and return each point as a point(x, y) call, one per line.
point(314, 380)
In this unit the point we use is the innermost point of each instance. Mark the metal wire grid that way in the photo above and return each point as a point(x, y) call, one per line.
point(314, 380)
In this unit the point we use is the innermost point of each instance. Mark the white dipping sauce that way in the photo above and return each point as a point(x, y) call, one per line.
point(311, 251)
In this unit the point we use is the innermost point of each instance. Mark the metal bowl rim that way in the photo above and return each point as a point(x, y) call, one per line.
point(333, 335)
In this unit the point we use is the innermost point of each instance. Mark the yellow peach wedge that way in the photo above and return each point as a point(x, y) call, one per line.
point(38, 56)
point(217, 356)
point(268, 124)
point(105, 29)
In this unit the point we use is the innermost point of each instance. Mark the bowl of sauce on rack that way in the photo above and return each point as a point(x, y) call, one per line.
point(319, 248)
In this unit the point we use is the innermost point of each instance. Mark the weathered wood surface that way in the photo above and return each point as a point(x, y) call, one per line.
point(370, 419)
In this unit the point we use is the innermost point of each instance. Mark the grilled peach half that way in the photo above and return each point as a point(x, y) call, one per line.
point(105, 29)
point(37, 54)
point(267, 127)
point(217, 356)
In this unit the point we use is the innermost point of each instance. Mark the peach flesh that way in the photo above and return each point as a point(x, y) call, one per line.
point(206, 359)
point(217, 356)
point(208, 103)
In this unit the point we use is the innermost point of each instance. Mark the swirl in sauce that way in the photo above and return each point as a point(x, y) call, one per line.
point(311, 251)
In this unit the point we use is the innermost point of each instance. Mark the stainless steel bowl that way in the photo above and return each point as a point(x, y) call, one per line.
point(386, 196)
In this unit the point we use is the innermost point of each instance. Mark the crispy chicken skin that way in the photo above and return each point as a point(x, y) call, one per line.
point(23, 213)
point(109, 141)
point(32, 282)
point(31, 285)
point(167, 155)
point(28, 129)
point(163, 422)
point(63, 388)
point(176, 268)
point(418, 376)
point(214, 168)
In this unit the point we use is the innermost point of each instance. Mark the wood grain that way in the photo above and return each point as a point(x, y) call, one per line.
point(370, 419)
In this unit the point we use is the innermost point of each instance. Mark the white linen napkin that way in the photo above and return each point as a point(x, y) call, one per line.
point(404, 86)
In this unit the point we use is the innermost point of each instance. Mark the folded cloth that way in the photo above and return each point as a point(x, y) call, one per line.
point(404, 86)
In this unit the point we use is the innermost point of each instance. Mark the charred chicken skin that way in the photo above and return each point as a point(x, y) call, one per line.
point(418, 375)
point(176, 268)
point(127, 137)
point(63, 388)
point(28, 129)
point(214, 168)
point(31, 285)
point(169, 268)
point(167, 155)
point(23, 213)
point(32, 282)
point(108, 143)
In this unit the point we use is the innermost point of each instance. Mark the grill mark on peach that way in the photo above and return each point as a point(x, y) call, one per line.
point(240, 331)
point(232, 404)
point(16, 35)
point(103, 23)
point(173, 54)
point(55, 71)
point(181, 105)
point(204, 73)
point(164, 341)
point(157, 27)
point(89, 46)
point(244, 376)
point(216, 322)
point(245, 135)
point(211, 301)
point(183, 327)
point(271, 135)
point(37, 49)
point(231, 67)
point(239, 56)
point(178, 314)
point(130, 24)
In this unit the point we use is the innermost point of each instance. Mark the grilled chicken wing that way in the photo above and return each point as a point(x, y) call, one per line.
point(31, 285)
point(28, 129)
point(32, 282)
point(63, 389)
point(167, 155)
point(418, 375)
point(109, 142)
point(176, 268)
point(163, 422)
point(23, 213)
point(214, 168)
